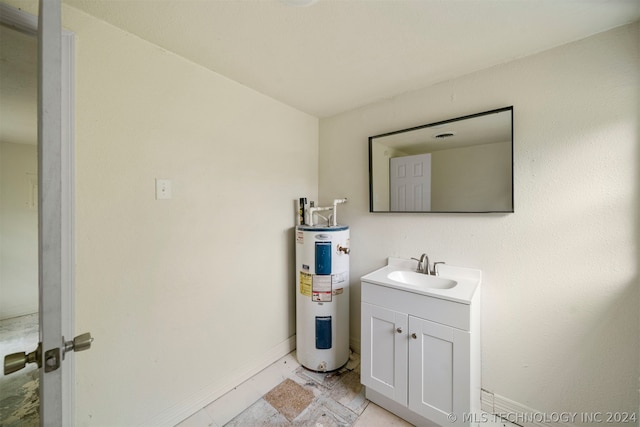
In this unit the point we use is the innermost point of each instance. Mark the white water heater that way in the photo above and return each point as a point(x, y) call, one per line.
point(322, 296)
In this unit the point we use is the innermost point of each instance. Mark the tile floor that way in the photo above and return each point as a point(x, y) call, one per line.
point(334, 399)
point(319, 400)
point(19, 401)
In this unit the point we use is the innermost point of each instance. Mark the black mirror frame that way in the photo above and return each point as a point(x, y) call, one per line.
point(470, 116)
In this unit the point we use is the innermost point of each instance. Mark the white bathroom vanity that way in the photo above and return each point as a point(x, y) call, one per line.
point(420, 345)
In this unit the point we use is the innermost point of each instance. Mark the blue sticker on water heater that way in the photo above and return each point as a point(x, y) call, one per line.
point(323, 332)
point(323, 258)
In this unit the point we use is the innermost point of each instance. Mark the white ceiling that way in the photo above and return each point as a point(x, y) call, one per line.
point(336, 55)
point(486, 128)
point(330, 57)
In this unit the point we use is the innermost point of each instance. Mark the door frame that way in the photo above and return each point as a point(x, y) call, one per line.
point(28, 24)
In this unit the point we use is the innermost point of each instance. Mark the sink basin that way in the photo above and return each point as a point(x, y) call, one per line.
point(413, 278)
point(454, 283)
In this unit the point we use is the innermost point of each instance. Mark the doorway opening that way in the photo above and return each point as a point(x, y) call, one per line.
point(19, 330)
point(55, 241)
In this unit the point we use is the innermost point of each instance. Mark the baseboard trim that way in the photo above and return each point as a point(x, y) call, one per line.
point(23, 310)
point(519, 414)
point(183, 410)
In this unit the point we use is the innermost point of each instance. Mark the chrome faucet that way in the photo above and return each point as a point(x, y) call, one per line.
point(435, 267)
point(424, 266)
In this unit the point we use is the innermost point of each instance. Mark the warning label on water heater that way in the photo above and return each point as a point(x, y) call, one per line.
point(338, 278)
point(321, 297)
point(305, 284)
point(321, 288)
point(321, 283)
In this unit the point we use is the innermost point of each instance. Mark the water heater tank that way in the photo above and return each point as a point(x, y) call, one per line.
point(322, 297)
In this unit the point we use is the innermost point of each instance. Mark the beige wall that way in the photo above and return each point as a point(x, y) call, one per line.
point(560, 293)
point(183, 296)
point(475, 178)
point(186, 295)
point(18, 230)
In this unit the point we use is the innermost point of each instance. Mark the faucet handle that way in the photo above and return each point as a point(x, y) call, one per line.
point(435, 267)
point(419, 263)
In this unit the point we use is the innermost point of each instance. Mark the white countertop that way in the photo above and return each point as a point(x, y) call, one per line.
point(468, 280)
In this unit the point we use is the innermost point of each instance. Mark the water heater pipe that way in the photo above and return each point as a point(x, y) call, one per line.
point(337, 202)
point(333, 208)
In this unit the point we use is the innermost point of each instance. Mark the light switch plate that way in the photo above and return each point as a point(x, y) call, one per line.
point(163, 189)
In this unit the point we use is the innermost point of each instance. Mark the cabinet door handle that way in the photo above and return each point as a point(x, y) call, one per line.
point(414, 336)
point(399, 330)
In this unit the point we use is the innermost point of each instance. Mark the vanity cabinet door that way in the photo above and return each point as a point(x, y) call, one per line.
point(439, 367)
point(384, 351)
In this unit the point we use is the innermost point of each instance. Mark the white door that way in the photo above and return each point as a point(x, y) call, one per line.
point(439, 362)
point(384, 352)
point(410, 183)
point(55, 214)
point(50, 212)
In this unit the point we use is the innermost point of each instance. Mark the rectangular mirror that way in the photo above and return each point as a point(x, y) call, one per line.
point(458, 165)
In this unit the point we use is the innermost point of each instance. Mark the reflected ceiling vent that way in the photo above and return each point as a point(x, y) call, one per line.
point(444, 135)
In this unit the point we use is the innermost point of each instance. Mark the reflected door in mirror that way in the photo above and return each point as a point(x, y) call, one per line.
point(410, 183)
point(469, 166)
